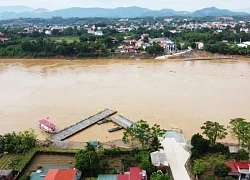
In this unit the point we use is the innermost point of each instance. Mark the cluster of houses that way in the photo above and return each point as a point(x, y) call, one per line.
point(136, 46)
point(66, 173)
point(130, 45)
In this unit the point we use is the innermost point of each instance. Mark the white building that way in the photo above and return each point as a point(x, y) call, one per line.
point(99, 33)
point(199, 45)
point(48, 32)
point(244, 44)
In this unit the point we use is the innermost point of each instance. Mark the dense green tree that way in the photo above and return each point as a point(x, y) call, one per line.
point(140, 131)
point(214, 131)
point(237, 127)
point(221, 170)
point(200, 145)
point(18, 143)
point(148, 166)
point(242, 155)
point(154, 49)
point(142, 155)
point(87, 161)
point(156, 144)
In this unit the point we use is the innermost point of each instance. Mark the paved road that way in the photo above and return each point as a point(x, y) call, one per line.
point(176, 156)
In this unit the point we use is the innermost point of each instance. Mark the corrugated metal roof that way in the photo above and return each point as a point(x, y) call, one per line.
point(41, 176)
point(158, 158)
point(107, 177)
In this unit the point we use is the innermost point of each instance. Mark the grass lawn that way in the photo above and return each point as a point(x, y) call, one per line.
point(69, 39)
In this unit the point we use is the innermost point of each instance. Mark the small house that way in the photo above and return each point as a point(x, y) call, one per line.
point(199, 45)
point(8, 174)
point(241, 170)
point(63, 174)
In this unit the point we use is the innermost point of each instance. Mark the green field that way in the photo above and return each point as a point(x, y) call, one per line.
point(4, 161)
point(68, 39)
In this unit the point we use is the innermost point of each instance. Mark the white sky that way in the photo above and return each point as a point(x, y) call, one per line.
point(188, 5)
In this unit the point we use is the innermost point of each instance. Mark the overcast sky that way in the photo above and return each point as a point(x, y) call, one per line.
point(189, 5)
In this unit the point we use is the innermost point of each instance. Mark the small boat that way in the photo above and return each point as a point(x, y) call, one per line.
point(47, 126)
point(115, 129)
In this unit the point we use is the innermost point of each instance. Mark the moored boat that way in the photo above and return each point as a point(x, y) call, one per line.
point(47, 126)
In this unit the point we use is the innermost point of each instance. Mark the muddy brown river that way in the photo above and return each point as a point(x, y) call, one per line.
point(172, 93)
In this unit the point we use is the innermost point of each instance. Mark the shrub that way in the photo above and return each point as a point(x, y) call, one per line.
point(143, 155)
point(219, 148)
point(148, 166)
point(199, 167)
point(241, 155)
point(221, 170)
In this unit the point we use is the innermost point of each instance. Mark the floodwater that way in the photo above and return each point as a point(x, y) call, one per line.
point(172, 93)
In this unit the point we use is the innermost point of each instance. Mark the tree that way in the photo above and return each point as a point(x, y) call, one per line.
point(244, 135)
point(214, 131)
point(18, 143)
point(129, 136)
point(27, 140)
point(155, 144)
point(154, 49)
point(199, 167)
point(87, 161)
point(142, 155)
point(148, 166)
point(221, 170)
point(141, 132)
point(178, 46)
point(241, 155)
point(159, 176)
point(237, 126)
point(200, 144)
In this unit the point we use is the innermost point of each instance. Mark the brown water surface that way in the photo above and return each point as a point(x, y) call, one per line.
point(174, 94)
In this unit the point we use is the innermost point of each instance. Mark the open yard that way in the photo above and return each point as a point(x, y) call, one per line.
point(68, 39)
point(50, 160)
point(115, 163)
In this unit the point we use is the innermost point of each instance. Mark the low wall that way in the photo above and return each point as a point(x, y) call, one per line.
point(189, 169)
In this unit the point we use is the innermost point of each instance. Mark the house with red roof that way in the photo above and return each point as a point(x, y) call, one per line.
point(135, 173)
point(63, 174)
point(239, 169)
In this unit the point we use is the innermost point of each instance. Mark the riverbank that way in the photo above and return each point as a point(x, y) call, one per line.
point(133, 56)
point(188, 54)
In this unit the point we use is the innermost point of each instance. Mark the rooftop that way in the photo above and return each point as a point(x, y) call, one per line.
point(61, 174)
point(41, 176)
point(158, 158)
